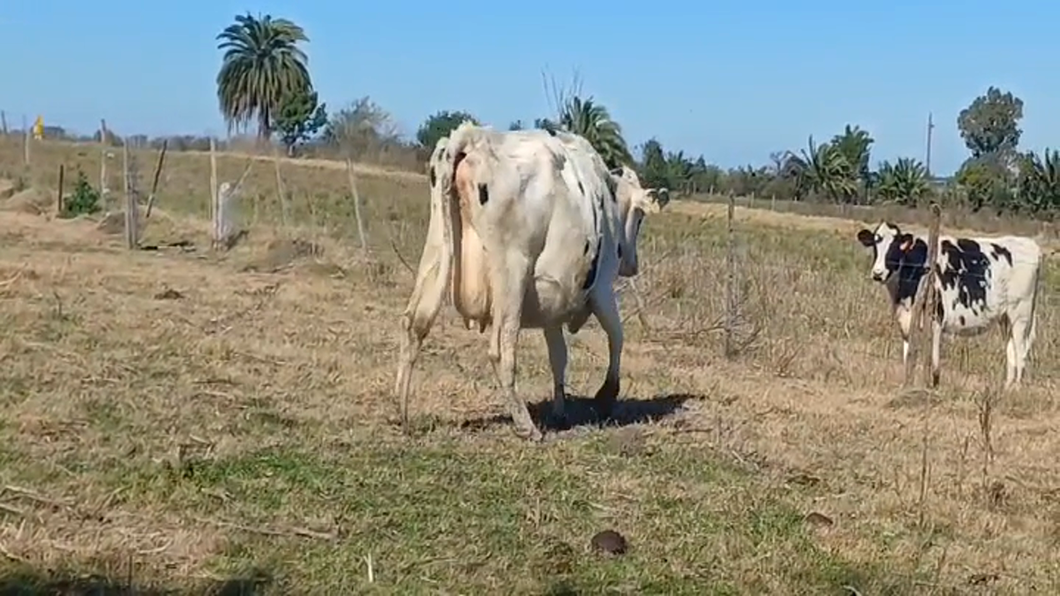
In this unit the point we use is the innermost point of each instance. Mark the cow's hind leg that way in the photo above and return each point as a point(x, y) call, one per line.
point(605, 308)
point(416, 322)
point(510, 275)
point(936, 352)
point(1019, 346)
point(557, 359)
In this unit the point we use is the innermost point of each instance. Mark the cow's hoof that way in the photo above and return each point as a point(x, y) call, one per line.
point(557, 416)
point(604, 401)
point(532, 435)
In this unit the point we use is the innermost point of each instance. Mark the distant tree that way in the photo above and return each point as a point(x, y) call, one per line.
point(679, 171)
point(360, 127)
point(653, 170)
point(262, 64)
point(440, 125)
point(545, 124)
point(300, 117)
point(986, 181)
point(748, 180)
point(990, 124)
point(1039, 181)
point(516, 125)
point(904, 182)
point(706, 177)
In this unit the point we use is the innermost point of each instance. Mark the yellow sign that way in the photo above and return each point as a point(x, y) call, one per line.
point(38, 128)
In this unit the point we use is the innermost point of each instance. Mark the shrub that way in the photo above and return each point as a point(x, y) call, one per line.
point(84, 200)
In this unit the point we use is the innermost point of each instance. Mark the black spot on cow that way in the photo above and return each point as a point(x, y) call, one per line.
point(433, 177)
point(619, 252)
point(589, 279)
point(965, 268)
point(960, 320)
point(909, 265)
point(483, 194)
point(588, 245)
point(1000, 252)
point(581, 188)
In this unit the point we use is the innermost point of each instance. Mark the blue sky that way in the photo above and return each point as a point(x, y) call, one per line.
point(733, 80)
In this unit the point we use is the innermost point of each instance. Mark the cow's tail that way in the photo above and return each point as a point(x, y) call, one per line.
point(432, 276)
point(435, 269)
point(460, 142)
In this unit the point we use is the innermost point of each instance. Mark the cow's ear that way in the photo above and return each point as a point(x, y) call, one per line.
point(866, 237)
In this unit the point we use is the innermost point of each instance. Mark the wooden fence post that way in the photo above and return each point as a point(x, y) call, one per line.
point(215, 213)
point(281, 189)
point(104, 191)
point(923, 314)
point(132, 219)
point(730, 277)
point(356, 205)
point(25, 142)
point(59, 198)
point(154, 182)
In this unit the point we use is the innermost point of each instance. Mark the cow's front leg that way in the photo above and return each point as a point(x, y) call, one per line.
point(936, 352)
point(510, 274)
point(557, 360)
point(605, 308)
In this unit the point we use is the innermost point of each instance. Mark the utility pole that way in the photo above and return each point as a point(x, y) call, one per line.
point(927, 160)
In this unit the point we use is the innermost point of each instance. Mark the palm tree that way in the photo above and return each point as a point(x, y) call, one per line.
point(262, 65)
point(592, 121)
point(1039, 180)
point(904, 182)
point(855, 144)
point(822, 169)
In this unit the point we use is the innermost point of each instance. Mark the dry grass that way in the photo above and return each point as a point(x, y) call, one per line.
point(175, 419)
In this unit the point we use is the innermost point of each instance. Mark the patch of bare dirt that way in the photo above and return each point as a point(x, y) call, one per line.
point(281, 253)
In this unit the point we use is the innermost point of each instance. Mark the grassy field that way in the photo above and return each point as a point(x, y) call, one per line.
point(184, 421)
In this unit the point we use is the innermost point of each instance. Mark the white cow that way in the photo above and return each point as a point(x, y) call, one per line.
point(528, 229)
point(977, 281)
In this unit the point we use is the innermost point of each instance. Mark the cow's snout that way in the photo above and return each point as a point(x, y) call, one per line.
point(878, 275)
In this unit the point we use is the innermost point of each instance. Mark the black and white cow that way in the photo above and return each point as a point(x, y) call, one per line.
point(978, 281)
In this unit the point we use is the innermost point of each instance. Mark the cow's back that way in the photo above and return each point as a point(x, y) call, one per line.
point(581, 234)
point(976, 291)
point(537, 204)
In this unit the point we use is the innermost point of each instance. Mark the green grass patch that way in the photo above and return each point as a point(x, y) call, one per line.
point(446, 515)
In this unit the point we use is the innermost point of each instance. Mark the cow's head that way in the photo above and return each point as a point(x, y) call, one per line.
point(889, 245)
point(634, 202)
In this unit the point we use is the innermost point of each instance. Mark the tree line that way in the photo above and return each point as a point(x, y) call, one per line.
point(264, 81)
